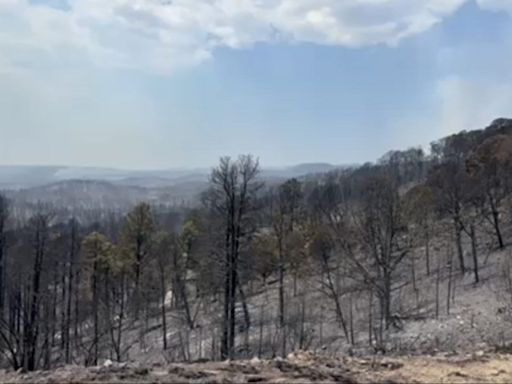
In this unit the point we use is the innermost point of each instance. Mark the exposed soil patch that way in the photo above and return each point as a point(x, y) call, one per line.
point(297, 368)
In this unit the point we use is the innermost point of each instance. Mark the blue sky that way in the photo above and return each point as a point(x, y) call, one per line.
point(143, 84)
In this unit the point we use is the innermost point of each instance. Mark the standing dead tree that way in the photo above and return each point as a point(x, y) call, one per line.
point(40, 224)
point(28, 295)
point(231, 197)
point(448, 181)
point(328, 241)
point(322, 250)
point(382, 232)
point(420, 211)
point(489, 166)
point(163, 248)
point(284, 212)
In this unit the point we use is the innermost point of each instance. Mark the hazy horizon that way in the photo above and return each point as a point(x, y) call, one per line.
point(171, 168)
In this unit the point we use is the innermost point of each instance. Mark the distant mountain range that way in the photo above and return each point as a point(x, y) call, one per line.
point(21, 177)
point(82, 189)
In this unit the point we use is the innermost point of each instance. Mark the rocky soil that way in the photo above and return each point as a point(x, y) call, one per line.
point(480, 367)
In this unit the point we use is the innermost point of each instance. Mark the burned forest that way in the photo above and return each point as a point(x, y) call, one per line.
point(406, 256)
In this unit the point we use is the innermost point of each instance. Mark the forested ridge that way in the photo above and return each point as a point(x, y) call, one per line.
point(334, 261)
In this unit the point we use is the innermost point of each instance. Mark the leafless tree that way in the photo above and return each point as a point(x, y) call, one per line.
point(233, 188)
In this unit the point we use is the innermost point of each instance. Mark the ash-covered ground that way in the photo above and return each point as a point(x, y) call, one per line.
point(301, 367)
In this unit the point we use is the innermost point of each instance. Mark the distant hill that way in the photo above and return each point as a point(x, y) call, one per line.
point(20, 177)
point(298, 170)
point(85, 189)
point(308, 168)
point(105, 194)
point(26, 176)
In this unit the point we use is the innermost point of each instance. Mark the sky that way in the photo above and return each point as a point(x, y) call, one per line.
point(148, 84)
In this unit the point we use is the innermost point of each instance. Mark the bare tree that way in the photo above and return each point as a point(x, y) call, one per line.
point(420, 208)
point(490, 164)
point(40, 225)
point(284, 207)
point(382, 233)
point(323, 250)
point(231, 196)
point(448, 181)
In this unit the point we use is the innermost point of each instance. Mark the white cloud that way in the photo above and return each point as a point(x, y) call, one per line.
point(161, 35)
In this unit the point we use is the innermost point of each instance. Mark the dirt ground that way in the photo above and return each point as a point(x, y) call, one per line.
point(297, 368)
point(473, 369)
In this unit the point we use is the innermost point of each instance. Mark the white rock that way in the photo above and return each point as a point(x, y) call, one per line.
point(108, 363)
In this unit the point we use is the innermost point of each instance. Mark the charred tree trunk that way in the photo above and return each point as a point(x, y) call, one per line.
point(438, 281)
point(71, 285)
point(46, 332)
point(76, 304)
point(474, 253)
point(281, 297)
point(370, 318)
point(337, 302)
point(67, 327)
point(31, 327)
point(180, 285)
point(224, 349)
point(386, 298)
point(449, 290)
point(95, 308)
point(496, 221)
point(138, 261)
point(458, 244)
point(117, 338)
point(351, 320)
point(247, 315)
point(427, 251)
point(232, 311)
point(163, 293)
